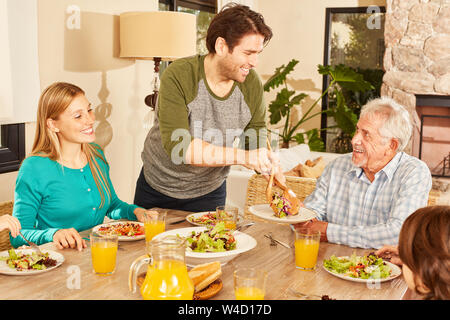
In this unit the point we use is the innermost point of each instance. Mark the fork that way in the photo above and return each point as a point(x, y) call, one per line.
point(273, 240)
point(33, 245)
point(397, 283)
point(304, 295)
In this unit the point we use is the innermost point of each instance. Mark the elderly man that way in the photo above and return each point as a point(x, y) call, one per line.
point(361, 199)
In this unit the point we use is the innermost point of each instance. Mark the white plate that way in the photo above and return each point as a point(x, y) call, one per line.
point(5, 269)
point(122, 238)
point(199, 214)
point(395, 272)
point(244, 243)
point(265, 211)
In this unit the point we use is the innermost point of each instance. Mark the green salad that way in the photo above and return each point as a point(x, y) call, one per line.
point(363, 267)
point(33, 261)
point(215, 239)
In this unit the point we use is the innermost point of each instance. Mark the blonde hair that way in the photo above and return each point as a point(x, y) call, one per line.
point(53, 101)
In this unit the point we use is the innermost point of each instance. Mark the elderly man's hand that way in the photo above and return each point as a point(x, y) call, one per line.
point(389, 253)
point(314, 225)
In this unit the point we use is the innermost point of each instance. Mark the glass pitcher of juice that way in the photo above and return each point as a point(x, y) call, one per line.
point(167, 276)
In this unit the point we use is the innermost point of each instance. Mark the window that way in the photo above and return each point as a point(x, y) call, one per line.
point(204, 10)
point(12, 147)
point(353, 37)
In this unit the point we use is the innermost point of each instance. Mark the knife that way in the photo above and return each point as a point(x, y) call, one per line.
point(178, 221)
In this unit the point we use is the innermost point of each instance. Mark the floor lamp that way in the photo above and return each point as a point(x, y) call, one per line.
point(158, 36)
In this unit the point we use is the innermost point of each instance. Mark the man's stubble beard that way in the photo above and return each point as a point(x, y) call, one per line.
point(226, 70)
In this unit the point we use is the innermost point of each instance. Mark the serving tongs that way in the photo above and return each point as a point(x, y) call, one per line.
point(288, 194)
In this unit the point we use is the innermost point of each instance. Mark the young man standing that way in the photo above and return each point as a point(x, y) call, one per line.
point(205, 103)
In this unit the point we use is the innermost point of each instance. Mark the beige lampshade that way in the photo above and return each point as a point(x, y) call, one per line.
point(165, 34)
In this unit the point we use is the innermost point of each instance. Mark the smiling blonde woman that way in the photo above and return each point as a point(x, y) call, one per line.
point(63, 187)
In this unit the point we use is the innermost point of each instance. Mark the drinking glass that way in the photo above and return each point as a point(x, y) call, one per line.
point(306, 248)
point(104, 253)
point(154, 224)
point(228, 215)
point(249, 283)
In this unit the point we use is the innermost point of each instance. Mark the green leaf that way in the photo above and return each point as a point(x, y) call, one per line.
point(346, 121)
point(297, 99)
point(280, 106)
point(300, 138)
point(284, 95)
point(315, 143)
point(279, 77)
point(349, 79)
point(275, 112)
point(346, 77)
point(344, 116)
point(323, 70)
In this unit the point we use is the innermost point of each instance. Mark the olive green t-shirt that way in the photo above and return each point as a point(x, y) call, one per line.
point(188, 109)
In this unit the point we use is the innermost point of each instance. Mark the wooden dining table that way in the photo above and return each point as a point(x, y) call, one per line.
point(75, 279)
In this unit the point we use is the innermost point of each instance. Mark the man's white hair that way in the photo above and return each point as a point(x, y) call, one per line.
point(397, 122)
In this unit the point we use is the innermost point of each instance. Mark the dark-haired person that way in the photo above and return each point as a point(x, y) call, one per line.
point(205, 102)
point(423, 252)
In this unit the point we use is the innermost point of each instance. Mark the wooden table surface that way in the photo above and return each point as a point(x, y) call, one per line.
point(74, 279)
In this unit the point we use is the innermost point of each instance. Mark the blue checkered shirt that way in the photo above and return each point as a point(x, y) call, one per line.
point(368, 214)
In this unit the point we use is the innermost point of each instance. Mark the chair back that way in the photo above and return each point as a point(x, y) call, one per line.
point(257, 184)
point(5, 208)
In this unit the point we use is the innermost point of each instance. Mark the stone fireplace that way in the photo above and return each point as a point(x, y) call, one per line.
point(417, 68)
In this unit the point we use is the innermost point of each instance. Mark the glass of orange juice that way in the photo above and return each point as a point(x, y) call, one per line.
point(154, 223)
point(306, 248)
point(104, 252)
point(249, 283)
point(228, 215)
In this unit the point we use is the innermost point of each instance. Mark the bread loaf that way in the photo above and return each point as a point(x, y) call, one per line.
point(203, 275)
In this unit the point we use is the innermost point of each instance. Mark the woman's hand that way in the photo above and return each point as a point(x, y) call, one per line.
point(11, 223)
point(389, 253)
point(68, 238)
point(141, 213)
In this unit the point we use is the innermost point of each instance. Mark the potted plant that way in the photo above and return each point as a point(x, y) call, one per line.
point(341, 77)
point(354, 100)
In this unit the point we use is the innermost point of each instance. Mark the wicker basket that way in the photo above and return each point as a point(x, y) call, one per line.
point(303, 187)
point(5, 208)
point(433, 197)
point(257, 184)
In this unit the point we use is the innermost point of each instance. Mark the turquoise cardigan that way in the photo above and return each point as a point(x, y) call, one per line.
point(49, 197)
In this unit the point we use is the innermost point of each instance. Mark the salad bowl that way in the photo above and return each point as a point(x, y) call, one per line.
point(244, 243)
